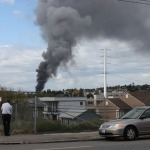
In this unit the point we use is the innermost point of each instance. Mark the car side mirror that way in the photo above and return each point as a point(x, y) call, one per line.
point(143, 117)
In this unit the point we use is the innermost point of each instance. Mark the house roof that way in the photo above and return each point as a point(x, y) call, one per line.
point(119, 103)
point(144, 97)
point(51, 99)
point(38, 102)
point(71, 114)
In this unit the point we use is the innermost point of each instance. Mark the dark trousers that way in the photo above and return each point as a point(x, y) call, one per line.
point(6, 123)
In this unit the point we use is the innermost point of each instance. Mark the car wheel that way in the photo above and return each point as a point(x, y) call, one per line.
point(130, 133)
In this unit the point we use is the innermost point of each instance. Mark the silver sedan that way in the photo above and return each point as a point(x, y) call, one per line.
point(133, 124)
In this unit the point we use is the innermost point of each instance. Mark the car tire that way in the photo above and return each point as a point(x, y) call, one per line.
point(130, 133)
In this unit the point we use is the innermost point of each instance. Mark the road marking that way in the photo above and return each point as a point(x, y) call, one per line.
point(65, 148)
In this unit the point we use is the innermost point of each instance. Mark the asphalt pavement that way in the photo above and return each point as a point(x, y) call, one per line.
point(49, 138)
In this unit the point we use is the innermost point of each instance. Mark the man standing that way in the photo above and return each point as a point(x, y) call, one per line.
point(6, 116)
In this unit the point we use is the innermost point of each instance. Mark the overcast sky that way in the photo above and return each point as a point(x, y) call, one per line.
point(23, 40)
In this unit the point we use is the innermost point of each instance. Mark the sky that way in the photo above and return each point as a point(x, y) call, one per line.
point(23, 39)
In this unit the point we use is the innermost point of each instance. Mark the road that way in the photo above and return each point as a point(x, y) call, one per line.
point(120, 144)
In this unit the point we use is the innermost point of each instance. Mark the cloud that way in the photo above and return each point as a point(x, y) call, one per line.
point(146, 75)
point(18, 65)
point(7, 1)
point(19, 13)
point(5, 46)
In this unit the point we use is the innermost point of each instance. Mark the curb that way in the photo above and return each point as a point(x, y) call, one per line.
point(50, 138)
point(40, 142)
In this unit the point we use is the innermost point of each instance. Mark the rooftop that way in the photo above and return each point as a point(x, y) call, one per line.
point(144, 97)
point(119, 103)
point(48, 99)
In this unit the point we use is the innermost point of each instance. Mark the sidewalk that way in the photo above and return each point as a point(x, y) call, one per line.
point(49, 138)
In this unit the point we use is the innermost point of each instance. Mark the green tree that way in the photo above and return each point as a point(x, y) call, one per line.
point(81, 93)
point(13, 96)
point(90, 95)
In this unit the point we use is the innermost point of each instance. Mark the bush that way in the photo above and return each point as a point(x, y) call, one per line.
point(56, 126)
point(48, 126)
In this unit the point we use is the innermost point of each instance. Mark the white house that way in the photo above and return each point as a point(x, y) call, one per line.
point(54, 106)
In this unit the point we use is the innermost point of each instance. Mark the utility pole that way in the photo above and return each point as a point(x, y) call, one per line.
point(16, 113)
point(105, 81)
point(105, 73)
point(35, 115)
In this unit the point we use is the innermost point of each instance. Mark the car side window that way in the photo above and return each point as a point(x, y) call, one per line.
point(147, 113)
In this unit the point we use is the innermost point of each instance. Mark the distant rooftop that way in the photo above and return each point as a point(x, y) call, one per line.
point(144, 97)
point(71, 114)
point(62, 99)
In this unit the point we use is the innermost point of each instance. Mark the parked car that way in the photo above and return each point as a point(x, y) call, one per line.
point(133, 124)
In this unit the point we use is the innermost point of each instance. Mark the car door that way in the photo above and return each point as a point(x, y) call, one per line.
point(144, 123)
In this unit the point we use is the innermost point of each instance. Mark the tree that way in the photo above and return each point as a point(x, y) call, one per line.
point(13, 96)
point(89, 95)
point(96, 92)
point(145, 87)
point(81, 93)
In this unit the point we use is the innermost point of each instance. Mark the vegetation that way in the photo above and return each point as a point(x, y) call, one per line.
point(23, 112)
point(47, 126)
point(57, 127)
point(13, 96)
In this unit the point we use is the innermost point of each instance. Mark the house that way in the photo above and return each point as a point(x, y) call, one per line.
point(39, 107)
point(92, 103)
point(136, 99)
point(77, 116)
point(54, 106)
point(114, 108)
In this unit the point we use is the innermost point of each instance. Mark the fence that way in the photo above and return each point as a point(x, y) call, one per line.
point(23, 120)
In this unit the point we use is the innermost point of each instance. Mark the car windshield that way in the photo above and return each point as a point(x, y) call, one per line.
point(133, 114)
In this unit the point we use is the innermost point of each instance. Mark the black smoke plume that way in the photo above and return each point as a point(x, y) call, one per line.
point(64, 22)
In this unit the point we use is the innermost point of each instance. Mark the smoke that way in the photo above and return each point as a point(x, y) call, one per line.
point(64, 22)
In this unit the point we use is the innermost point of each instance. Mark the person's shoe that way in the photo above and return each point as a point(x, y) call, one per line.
point(7, 135)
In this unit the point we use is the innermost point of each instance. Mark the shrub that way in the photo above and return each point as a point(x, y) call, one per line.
point(48, 126)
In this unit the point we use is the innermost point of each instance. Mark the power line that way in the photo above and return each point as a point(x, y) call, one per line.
point(136, 2)
point(129, 78)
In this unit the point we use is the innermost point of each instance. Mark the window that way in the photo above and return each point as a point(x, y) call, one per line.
point(117, 113)
point(90, 103)
point(147, 113)
point(106, 103)
point(134, 113)
point(121, 113)
point(81, 103)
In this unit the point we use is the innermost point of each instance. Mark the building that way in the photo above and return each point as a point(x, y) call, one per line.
point(136, 99)
point(114, 108)
point(54, 106)
point(77, 116)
